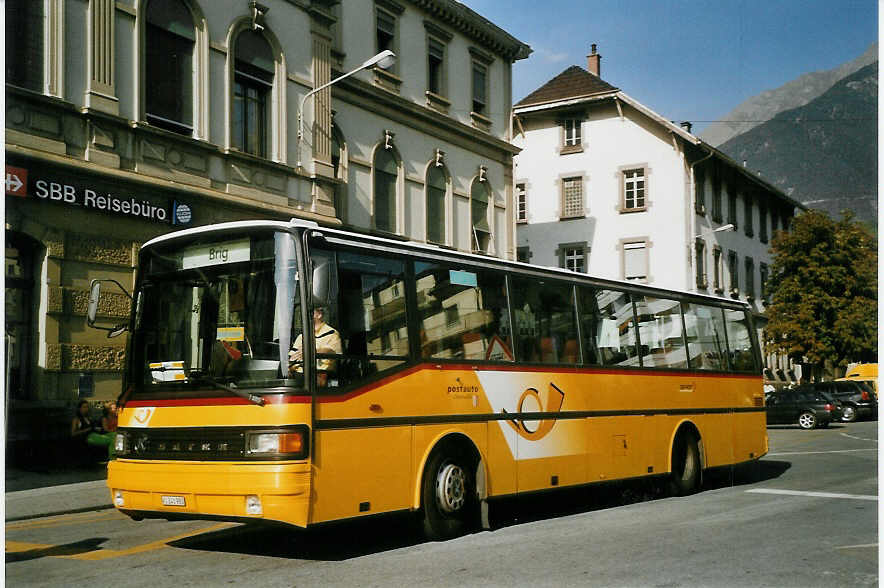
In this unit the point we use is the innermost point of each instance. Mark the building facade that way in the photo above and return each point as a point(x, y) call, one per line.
point(605, 185)
point(126, 119)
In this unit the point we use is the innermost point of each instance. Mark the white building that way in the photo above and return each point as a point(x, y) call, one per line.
point(605, 185)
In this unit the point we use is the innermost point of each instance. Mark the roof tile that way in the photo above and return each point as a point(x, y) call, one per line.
point(574, 82)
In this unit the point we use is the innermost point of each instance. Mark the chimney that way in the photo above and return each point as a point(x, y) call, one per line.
point(594, 62)
point(686, 125)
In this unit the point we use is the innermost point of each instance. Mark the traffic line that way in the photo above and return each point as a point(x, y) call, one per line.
point(811, 494)
point(72, 519)
point(858, 438)
point(822, 452)
point(64, 551)
point(864, 546)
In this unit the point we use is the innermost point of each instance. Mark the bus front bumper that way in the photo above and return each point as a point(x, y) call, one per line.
point(242, 491)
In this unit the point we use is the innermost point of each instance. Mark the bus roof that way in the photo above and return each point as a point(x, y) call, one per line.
point(435, 251)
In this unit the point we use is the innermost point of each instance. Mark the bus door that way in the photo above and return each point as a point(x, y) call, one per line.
point(362, 459)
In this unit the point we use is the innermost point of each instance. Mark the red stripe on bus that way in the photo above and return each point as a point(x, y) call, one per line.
point(305, 399)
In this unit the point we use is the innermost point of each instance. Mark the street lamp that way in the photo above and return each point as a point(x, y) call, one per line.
point(385, 59)
point(721, 229)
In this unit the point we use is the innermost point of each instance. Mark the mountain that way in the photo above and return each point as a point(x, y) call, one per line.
point(825, 153)
point(796, 93)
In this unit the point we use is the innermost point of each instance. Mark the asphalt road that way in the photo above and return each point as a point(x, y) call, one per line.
point(807, 516)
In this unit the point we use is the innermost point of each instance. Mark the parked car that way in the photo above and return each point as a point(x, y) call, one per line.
point(857, 398)
point(804, 405)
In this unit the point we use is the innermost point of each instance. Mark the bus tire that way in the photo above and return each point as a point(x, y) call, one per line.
point(448, 494)
point(685, 476)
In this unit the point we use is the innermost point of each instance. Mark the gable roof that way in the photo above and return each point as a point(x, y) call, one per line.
point(574, 82)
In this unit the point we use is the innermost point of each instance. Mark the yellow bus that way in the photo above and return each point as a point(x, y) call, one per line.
point(435, 382)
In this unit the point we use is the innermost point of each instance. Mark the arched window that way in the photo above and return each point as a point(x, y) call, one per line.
point(170, 39)
point(254, 68)
point(386, 176)
point(479, 196)
point(436, 190)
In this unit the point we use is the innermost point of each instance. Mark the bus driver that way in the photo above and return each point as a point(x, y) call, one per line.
point(327, 341)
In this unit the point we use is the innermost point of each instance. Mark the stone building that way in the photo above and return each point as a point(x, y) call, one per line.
point(126, 119)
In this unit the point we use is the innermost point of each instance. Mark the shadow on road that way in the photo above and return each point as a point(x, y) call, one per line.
point(346, 540)
point(333, 542)
point(80, 547)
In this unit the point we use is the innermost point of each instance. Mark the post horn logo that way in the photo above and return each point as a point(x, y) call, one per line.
point(548, 402)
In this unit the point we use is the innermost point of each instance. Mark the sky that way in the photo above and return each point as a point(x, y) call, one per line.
point(692, 60)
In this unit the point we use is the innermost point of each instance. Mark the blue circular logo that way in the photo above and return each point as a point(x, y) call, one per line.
point(183, 214)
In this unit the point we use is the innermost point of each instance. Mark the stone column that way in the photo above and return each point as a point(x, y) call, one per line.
point(100, 89)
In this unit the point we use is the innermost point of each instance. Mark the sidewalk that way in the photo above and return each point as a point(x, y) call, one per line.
point(31, 494)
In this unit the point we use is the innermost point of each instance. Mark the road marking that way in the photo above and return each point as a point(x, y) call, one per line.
point(858, 438)
point(99, 554)
point(812, 494)
point(858, 546)
point(109, 553)
point(822, 452)
point(72, 519)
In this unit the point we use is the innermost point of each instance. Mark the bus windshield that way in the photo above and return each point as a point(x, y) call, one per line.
point(218, 310)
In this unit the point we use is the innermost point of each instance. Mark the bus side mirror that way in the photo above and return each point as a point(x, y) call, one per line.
point(92, 309)
point(94, 293)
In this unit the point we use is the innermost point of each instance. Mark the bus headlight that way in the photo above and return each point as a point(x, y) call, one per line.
point(290, 443)
point(121, 444)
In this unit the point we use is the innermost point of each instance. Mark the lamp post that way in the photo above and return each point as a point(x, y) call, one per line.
point(721, 229)
point(384, 60)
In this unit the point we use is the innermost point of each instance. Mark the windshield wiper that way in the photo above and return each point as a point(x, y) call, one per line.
point(253, 398)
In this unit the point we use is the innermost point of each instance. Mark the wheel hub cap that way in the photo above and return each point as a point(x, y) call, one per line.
point(450, 488)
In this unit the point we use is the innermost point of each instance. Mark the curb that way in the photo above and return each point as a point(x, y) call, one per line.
point(56, 500)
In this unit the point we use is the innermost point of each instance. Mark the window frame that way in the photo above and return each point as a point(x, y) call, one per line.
point(446, 197)
point(522, 202)
point(380, 13)
point(700, 192)
point(733, 265)
point(630, 244)
point(275, 132)
point(579, 246)
point(395, 197)
point(747, 214)
point(702, 279)
point(571, 135)
point(580, 211)
point(750, 278)
point(762, 223)
point(27, 59)
point(717, 269)
point(476, 244)
point(624, 179)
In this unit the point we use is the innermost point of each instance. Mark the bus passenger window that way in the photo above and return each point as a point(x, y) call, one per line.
point(463, 313)
point(707, 344)
point(739, 341)
point(607, 327)
point(660, 332)
point(546, 325)
point(369, 312)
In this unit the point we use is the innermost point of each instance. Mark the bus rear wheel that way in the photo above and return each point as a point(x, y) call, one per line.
point(685, 476)
point(448, 494)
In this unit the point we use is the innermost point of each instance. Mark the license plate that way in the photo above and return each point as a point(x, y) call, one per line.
point(173, 501)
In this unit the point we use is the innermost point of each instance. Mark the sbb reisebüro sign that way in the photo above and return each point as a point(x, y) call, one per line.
point(94, 194)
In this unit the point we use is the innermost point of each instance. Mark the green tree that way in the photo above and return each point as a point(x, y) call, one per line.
point(824, 288)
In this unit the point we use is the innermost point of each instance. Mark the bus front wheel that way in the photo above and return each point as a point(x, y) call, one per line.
point(685, 476)
point(450, 504)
